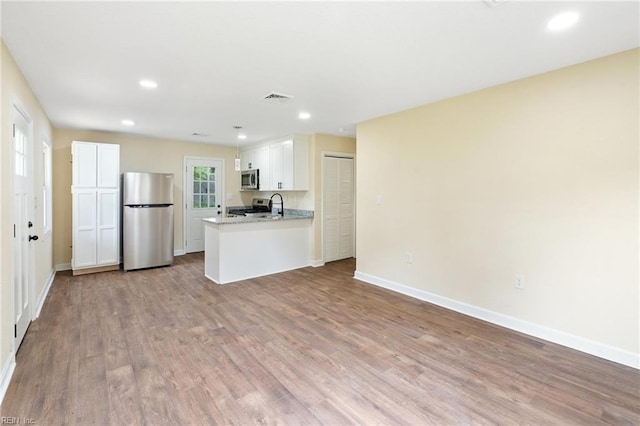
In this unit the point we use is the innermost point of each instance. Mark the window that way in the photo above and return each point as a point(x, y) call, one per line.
point(21, 153)
point(47, 204)
point(204, 187)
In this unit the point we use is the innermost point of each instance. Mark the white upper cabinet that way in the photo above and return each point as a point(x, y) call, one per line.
point(283, 163)
point(263, 164)
point(96, 165)
point(84, 157)
point(108, 165)
point(281, 155)
point(247, 161)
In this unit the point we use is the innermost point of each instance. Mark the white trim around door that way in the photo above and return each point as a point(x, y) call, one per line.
point(207, 201)
point(23, 260)
point(344, 223)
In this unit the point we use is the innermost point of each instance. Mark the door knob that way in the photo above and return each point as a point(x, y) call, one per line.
point(33, 237)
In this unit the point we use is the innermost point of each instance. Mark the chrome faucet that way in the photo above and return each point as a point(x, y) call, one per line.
point(281, 213)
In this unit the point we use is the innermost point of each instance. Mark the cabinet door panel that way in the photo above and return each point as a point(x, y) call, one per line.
point(84, 164)
point(262, 163)
point(246, 159)
point(281, 155)
point(108, 166)
point(108, 245)
point(84, 228)
point(287, 165)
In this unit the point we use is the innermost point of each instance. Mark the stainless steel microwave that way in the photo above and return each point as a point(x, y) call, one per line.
point(250, 180)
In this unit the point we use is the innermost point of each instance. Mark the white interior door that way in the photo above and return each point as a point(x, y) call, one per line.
point(204, 181)
point(23, 225)
point(338, 208)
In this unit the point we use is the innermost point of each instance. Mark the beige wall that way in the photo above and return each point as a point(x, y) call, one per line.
point(537, 177)
point(138, 154)
point(16, 89)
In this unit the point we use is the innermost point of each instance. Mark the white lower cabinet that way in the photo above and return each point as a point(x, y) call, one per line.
point(95, 207)
point(96, 238)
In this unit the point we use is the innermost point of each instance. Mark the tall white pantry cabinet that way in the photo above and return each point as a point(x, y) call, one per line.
point(96, 207)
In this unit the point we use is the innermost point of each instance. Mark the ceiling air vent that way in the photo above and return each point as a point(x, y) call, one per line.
point(277, 97)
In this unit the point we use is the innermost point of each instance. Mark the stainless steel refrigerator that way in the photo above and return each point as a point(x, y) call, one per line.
point(147, 220)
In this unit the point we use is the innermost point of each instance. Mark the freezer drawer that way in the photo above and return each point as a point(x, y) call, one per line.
point(147, 236)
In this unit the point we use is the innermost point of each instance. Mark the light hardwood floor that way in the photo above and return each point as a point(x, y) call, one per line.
point(311, 346)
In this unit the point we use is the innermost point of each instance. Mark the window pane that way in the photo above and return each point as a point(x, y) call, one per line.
point(212, 173)
point(196, 201)
point(197, 173)
point(212, 187)
point(212, 201)
point(19, 143)
point(203, 188)
point(196, 188)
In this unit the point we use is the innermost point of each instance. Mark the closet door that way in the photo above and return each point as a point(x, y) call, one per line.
point(338, 208)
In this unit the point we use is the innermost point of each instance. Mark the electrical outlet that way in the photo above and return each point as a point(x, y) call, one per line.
point(408, 257)
point(519, 282)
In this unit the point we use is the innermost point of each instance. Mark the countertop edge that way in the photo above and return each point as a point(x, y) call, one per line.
point(244, 219)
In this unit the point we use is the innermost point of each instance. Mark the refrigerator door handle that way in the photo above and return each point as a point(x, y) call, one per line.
point(147, 206)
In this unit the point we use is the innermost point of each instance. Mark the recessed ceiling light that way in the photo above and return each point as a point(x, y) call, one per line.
point(128, 122)
point(304, 115)
point(562, 21)
point(242, 136)
point(148, 84)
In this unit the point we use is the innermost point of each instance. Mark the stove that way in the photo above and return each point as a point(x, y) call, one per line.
point(259, 206)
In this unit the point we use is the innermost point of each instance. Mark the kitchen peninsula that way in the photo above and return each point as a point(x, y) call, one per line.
point(238, 248)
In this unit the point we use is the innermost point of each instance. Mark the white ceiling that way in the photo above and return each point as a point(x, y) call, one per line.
point(343, 62)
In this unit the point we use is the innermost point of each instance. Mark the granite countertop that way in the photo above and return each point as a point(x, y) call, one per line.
point(289, 214)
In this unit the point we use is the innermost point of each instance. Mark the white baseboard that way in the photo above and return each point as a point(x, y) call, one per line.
point(5, 375)
point(582, 344)
point(317, 263)
point(63, 267)
point(179, 253)
point(45, 292)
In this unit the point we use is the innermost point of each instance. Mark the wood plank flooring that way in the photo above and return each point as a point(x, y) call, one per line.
point(312, 346)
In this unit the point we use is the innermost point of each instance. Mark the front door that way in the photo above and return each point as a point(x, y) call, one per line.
point(22, 225)
point(203, 198)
